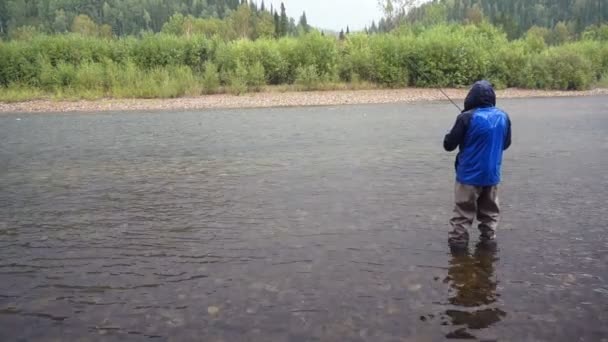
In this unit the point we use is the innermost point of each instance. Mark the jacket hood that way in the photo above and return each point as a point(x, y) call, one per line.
point(481, 95)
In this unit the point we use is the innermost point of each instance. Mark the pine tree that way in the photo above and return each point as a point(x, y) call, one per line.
point(263, 6)
point(342, 34)
point(284, 22)
point(304, 22)
point(277, 24)
point(347, 30)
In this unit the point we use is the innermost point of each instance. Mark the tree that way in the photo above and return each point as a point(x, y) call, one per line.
point(175, 25)
point(383, 26)
point(263, 7)
point(474, 15)
point(147, 19)
point(293, 28)
point(341, 36)
point(284, 23)
point(304, 23)
point(265, 26)
point(277, 24)
point(347, 30)
point(83, 24)
point(105, 31)
point(3, 17)
point(241, 21)
point(373, 28)
point(60, 24)
point(16, 14)
point(539, 33)
point(393, 9)
point(434, 14)
point(535, 39)
point(387, 7)
point(560, 34)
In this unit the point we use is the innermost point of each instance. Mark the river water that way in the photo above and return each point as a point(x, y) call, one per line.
point(297, 224)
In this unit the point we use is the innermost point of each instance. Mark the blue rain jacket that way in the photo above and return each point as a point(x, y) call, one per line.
point(481, 132)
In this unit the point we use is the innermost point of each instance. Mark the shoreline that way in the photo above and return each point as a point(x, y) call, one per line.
point(271, 99)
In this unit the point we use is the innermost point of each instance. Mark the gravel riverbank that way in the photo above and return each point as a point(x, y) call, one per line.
point(273, 99)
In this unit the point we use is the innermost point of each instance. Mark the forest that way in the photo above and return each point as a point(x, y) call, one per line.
point(134, 17)
point(162, 48)
point(515, 17)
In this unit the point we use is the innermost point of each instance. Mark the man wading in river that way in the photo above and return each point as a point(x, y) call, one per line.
point(482, 132)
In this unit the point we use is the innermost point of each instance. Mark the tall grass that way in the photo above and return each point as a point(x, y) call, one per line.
point(163, 65)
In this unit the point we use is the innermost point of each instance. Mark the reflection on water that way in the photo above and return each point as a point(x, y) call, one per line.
point(473, 291)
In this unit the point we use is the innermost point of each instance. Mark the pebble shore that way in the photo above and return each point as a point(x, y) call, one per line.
point(273, 99)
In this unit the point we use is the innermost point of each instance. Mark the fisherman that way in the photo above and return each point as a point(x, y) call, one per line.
point(482, 132)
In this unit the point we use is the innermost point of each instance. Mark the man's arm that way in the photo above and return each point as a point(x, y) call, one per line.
point(456, 136)
point(507, 143)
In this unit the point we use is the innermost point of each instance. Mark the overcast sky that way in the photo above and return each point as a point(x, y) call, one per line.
point(332, 14)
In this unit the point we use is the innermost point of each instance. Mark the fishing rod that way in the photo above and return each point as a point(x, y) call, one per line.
point(429, 80)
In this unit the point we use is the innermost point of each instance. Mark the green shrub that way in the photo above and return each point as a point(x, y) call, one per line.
point(256, 78)
point(91, 76)
point(559, 68)
point(65, 75)
point(307, 77)
point(356, 58)
point(161, 65)
point(507, 65)
point(389, 61)
point(453, 55)
point(310, 49)
point(568, 70)
point(238, 80)
point(211, 79)
point(603, 81)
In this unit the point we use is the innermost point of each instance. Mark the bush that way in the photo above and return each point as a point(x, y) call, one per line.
point(559, 68)
point(310, 49)
point(162, 65)
point(307, 77)
point(389, 61)
point(453, 55)
point(238, 80)
point(256, 78)
point(507, 64)
point(91, 76)
point(211, 79)
point(65, 75)
point(356, 58)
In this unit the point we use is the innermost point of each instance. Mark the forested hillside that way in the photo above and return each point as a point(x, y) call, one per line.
point(516, 17)
point(129, 17)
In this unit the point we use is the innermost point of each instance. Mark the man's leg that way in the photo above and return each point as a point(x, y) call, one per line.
point(465, 198)
point(488, 212)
